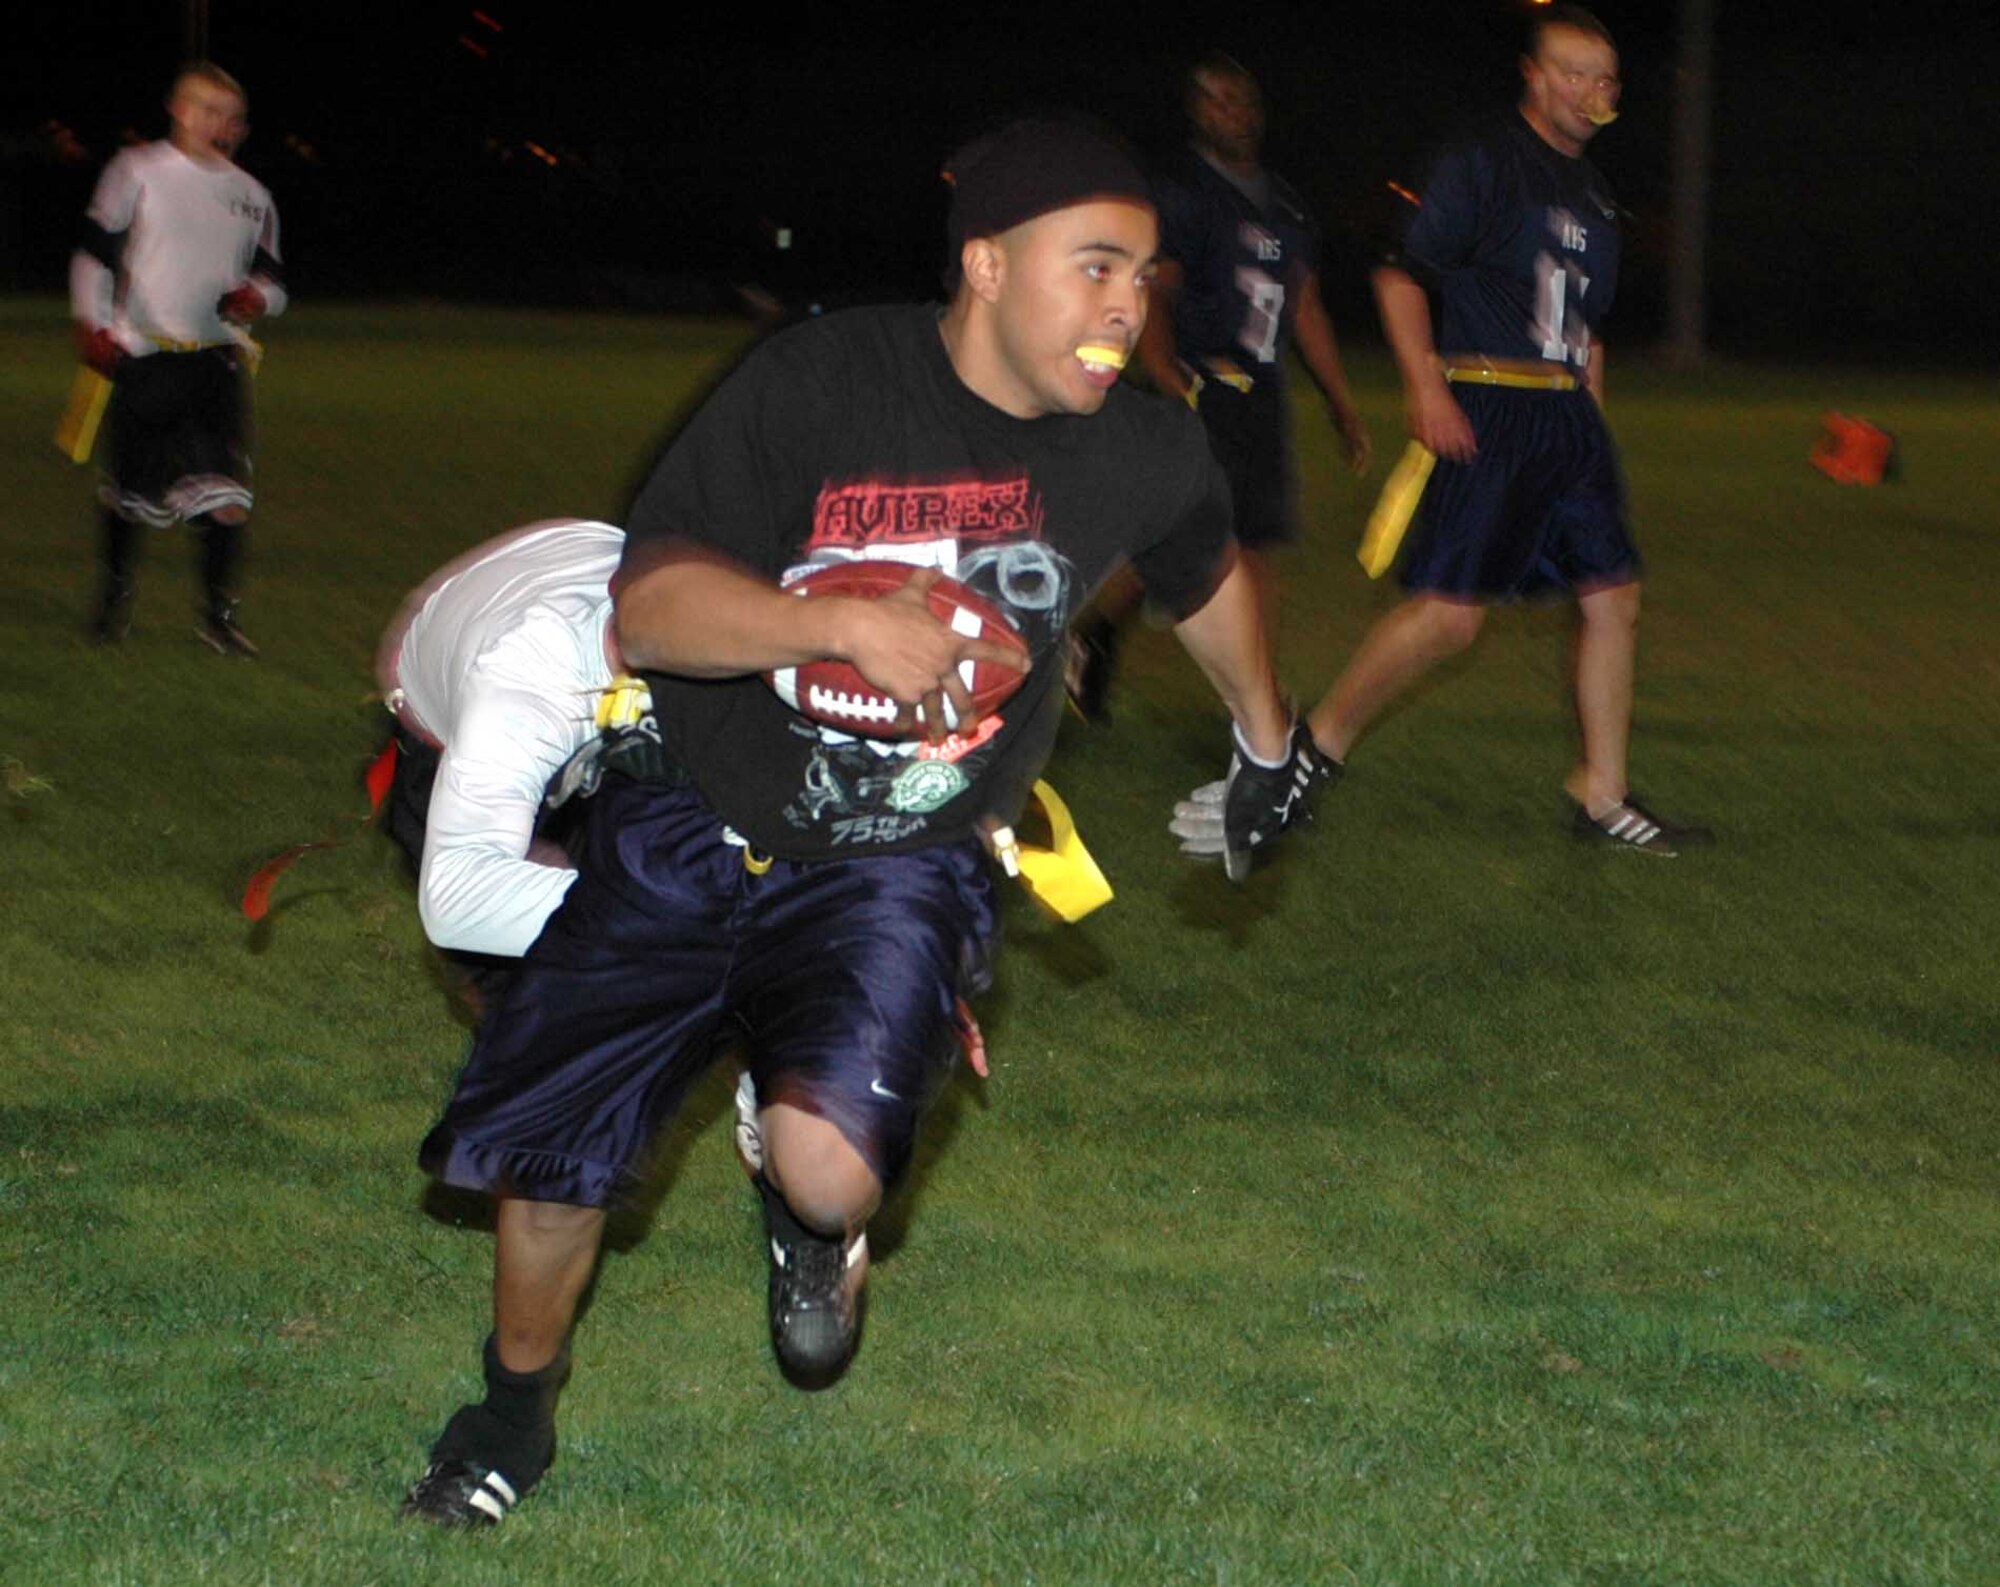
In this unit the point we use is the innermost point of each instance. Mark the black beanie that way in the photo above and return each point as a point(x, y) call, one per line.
point(1030, 167)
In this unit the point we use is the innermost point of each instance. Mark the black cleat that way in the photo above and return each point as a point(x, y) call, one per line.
point(460, 1493)
point(219, 632)
point(815, 1312)
point(1630, 825)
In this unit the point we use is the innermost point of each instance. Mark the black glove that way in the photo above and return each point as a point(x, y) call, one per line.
point(1260, 802)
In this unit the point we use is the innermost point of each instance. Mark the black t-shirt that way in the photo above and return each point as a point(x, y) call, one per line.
point(852, 436)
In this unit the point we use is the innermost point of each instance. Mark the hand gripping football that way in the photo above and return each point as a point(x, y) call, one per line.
point(835, 694)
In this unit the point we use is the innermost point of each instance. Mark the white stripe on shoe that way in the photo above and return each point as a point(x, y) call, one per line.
point(494, 1496)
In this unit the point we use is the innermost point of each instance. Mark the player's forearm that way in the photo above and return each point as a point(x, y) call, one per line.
point(90, 291)
point(1406, 321)
point(478, 891)
point(701, 617)
point(478, 898)
point(1593, 372)
point(1226, 639)
point(1319, 349)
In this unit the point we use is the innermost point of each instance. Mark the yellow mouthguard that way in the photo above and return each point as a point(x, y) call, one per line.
point(1098, 353)
point(1600, 118)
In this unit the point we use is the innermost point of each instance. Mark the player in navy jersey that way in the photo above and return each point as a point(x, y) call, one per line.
point(1517, 235)
point(825, 898)
point(179, 256)
point(1238, 283)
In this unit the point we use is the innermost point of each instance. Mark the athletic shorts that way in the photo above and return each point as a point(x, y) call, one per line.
point(179, 425)
point(1540, 510)
point(838, 977)
point(1249, 434)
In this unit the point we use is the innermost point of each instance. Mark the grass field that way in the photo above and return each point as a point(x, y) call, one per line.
point(1452, 1204)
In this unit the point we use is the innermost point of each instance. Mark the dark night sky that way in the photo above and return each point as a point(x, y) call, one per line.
point(1854, 202)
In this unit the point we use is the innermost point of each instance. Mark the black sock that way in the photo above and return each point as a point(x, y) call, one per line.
point(118, 550)
point(526, 1400)
point(219, 559)
point(514, 1430)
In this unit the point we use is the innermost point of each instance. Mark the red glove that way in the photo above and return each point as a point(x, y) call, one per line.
point(100, 349)
point(241, 306)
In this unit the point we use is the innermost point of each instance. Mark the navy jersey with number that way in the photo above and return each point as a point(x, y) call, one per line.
point(1241, 261)
point(1521, 245)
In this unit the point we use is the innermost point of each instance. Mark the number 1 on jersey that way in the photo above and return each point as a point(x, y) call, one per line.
point(1563, 344)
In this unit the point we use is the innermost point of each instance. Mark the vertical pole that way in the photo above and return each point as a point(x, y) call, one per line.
point(1687, 266)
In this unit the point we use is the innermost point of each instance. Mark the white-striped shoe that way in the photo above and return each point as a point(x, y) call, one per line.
point(459, 1493)
point(1630, 825)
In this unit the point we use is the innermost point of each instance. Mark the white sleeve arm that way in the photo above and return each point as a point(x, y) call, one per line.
point(91, 290)
point(270, 280)
point(92, 271)
point(478, 891)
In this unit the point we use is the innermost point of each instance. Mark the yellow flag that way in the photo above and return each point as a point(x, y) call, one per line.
point(1062, 876)
point(76, 431)
point(1383, 537)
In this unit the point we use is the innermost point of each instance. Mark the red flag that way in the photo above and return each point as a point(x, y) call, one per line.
point(380, 775)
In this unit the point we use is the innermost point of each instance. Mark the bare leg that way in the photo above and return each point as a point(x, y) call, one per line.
point(1264, 580)
point(543, 1255)
point(818, 1193)
point(824, 1180)
point(1607, 640)
point(1399, 650)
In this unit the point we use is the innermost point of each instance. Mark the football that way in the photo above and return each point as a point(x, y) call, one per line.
point(833, 693)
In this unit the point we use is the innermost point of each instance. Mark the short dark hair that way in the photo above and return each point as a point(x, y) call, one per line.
point(1573, 17)
point(1216, 63)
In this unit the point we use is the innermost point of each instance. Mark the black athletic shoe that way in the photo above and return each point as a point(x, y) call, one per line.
point(1630, 825)
point(815, 1317)
point(219, 632)
point(460, 1493)
point(1091, 663)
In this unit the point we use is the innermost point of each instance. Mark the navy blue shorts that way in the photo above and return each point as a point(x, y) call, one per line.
point(1249, 435)
point(840, 977)
point(1540, 510)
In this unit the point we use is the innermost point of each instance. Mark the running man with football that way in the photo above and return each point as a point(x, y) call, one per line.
point(1517, 235)
point(821, 895)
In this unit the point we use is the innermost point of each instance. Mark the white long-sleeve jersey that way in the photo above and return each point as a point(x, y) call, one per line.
point(499, 658)
point(166, 238)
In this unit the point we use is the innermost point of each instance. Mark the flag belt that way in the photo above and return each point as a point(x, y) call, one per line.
point(1521, 373)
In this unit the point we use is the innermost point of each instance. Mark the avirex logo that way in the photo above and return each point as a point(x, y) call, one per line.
point(871, 512)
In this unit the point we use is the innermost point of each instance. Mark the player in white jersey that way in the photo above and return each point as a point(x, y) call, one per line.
point(179, 256)
point(493, 669)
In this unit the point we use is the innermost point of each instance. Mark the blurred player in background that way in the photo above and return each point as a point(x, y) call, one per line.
point(826, 898)
point(1517, 235)
point(1238, 283)
point(179, 256)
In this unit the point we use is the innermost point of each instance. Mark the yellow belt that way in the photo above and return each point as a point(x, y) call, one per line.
point(250, 347)
point(1520, 379)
